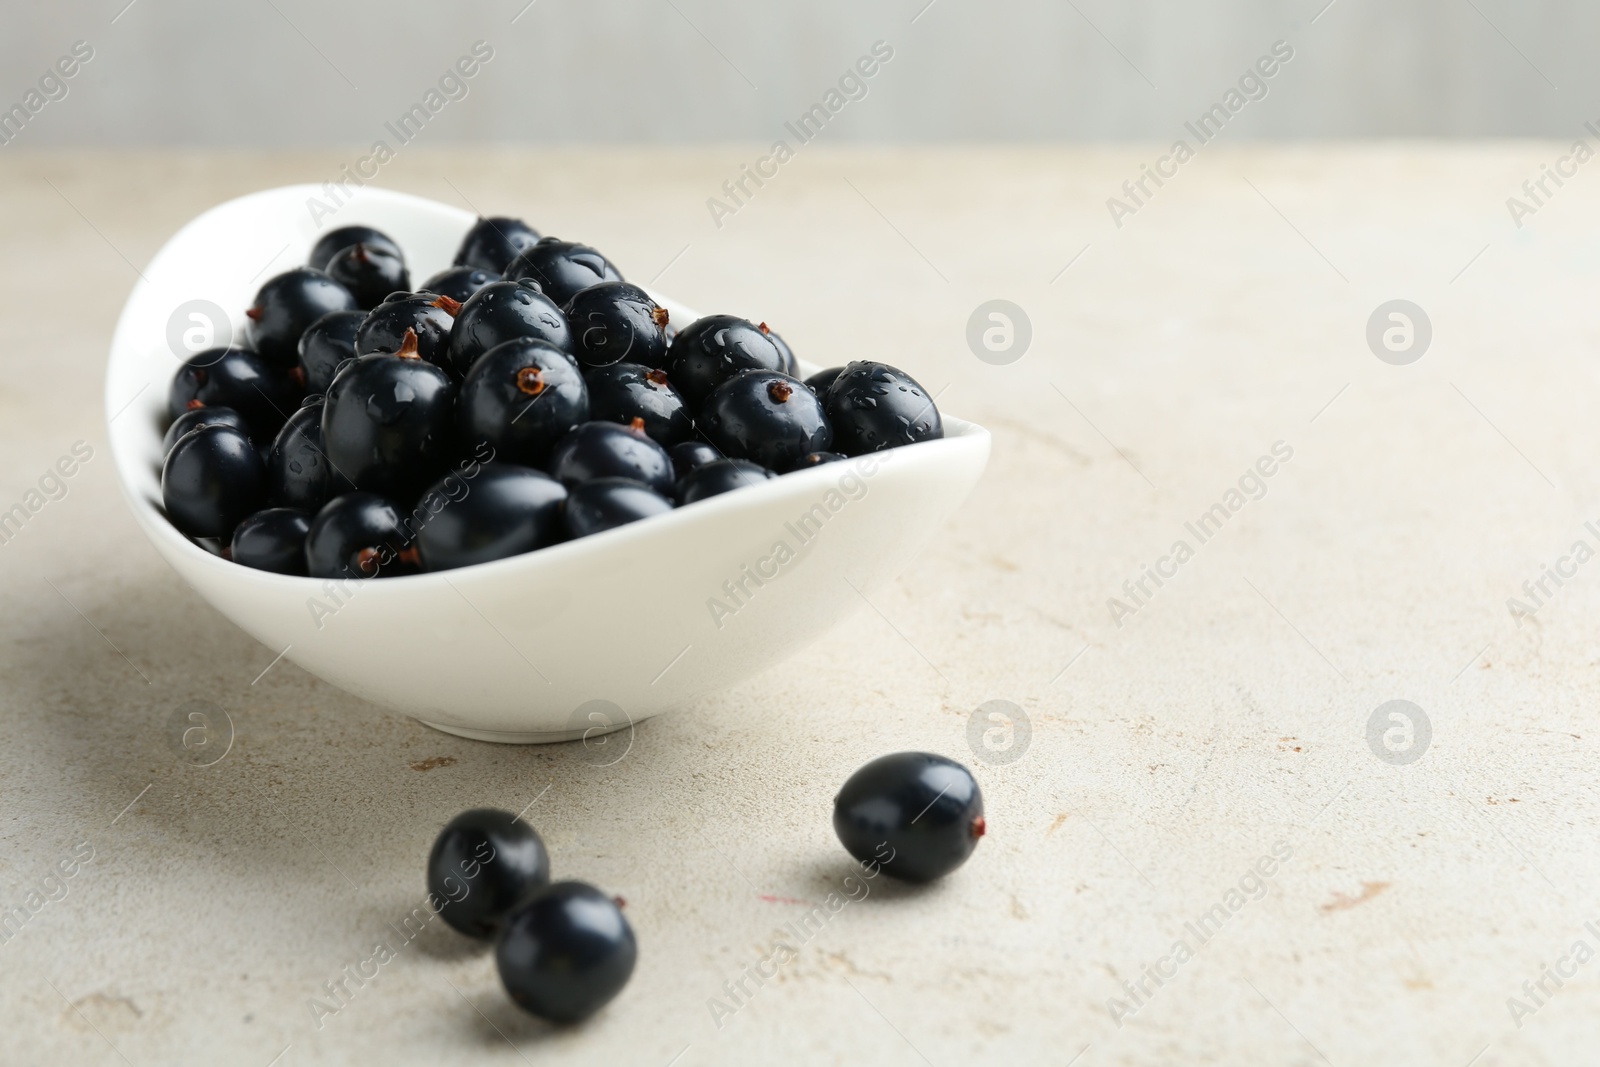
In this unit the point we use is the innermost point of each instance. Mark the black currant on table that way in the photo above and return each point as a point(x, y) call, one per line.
point(820, 382)
point(562, 268)
point(426, 317)
point(709, 351)
point(333, 242)
point(623, 392)
point(505, 510)
point(459, 283)
point(605, 503)
point(915, 815)
point(483, 865)
point(566, 953)
point(263, 394)
point(370, 273)
point(272, 540)
point(286, 305)
point(493, 243)
point(505, 311)
point(326, 344)
point(606, 450)
point(766, 417)
point(521, 398)
point(692, 455)
point(389, 423)
point(299, 474)
point(874, 406)
point(616, 321)
point(359, 535)
point(211, 480)
point(198, 417)
point(717, 477)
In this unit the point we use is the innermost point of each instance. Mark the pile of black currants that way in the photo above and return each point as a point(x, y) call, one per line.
point(525, 396)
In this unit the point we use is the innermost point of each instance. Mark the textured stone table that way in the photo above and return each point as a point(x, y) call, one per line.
point(1207, 852)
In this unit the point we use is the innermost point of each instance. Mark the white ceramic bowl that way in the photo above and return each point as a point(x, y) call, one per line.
point(586, 636)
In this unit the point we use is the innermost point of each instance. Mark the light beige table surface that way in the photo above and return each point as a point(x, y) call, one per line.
point(1227, 717)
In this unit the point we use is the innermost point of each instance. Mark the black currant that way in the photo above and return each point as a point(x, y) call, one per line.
point(616, 321)
point(459, 283)
point(819, 382)
point(298, 472)
point(874, 406)
point(236, 378)
point(286, 305)
point(483, 865)
point(272, 540)
point(389, 424)
point(358, 535)
point(692, 455)
point(202, 416)
point(624, 392)
point(492, 244)
point(791, 365)
point(606, 503)
point(504, 511)
point(333, 242)
point(505, 311)
point(607, 450)
point(325, 346)
point(566, 953)
point(562, 268)
point(709, 351)
point(211, 480)
point(767, 417)
point(719, 476)
point(370, 273)
point(916, 815)
point(522, 397)
point(425, 316)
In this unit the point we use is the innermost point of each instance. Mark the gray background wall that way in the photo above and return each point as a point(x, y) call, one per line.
point(302, 72)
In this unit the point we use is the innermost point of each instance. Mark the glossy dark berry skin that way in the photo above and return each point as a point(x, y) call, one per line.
point(616, 321)
point(709, 351)
point(193, 420)
point(483, 865)
point(389, 424)
point(286, 305)
point(562, 268)
point(606, 503)
point(504, 511)
point(874, 406)
point(817, 459)
point(370, 273)
point(505, 311)
point(915, 814)
point(719, 476)
point(273, 540)
point(566, 953)
point(624, 392)
point(427, 316)
point(767, 417)
point(607, 450)
point(358, 535)
point(325, 345)
point(493, 243)
point(691, 455)
point(459, 283)
point(212, 480)
point(522, 397)
point(820, 382)
point(237, 378)
point(333, 242)
point(791, 365)
point(299, 474)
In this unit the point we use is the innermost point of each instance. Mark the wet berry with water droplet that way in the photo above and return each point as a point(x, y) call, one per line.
point(616, 321)
point(607, 450)
point(606, 503)
point(505, 311)
point(709, 351)
point(272, 540)
point(370, 273)
point(262, 393)
point(562, 268)
point(359, 535)
point(286, 305)
point(719, 476)
point(493, 243)
point(325, 345)
point(459, 283)
point(874, 406)
point(389, 424)
point(426, 316)
point(521, 398)
point(766, 417)
point(504, 510)
point(623, 392)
